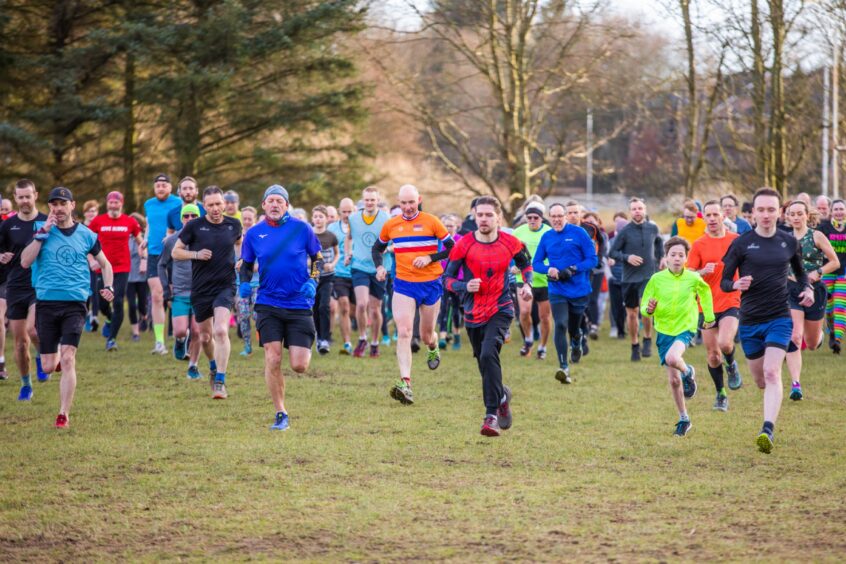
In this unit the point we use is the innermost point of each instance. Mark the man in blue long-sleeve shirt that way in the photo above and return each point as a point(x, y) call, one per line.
point(571, 255)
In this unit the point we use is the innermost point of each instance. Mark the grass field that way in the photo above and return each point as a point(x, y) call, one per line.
point(152, 468)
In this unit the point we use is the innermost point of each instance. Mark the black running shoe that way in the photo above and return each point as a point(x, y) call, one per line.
point(585, 347)
point(647, 348)
point(682, 428)
point(526, 350)
point(563, 375)
point(635, 353)
point(503, 414)
point(575, 352)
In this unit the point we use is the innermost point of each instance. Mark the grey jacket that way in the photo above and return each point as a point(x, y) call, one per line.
point(643, 240)
point(180, 275)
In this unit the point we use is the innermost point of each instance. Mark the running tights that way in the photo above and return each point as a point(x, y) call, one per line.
point(836, 307)
point(487, 341)
point(566, 317)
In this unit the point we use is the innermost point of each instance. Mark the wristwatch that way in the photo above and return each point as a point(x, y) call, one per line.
point(109, 288)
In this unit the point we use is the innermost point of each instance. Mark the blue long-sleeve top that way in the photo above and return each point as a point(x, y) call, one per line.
point(569, 247)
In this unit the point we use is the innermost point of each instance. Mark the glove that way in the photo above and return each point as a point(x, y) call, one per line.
point(566, 274)
point(309, 289)
point(245, 290)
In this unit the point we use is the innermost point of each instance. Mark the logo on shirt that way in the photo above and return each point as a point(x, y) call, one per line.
point(369, 239)
point(15, 228)
point(204, 229)
point(66, 255)
point(753, 246)
point(783, 245)
point(418, 227)
point(263, 235)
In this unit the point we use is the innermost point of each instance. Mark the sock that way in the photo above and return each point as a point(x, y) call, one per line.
point(212, 365)
point(181, 341)
point(796, 384)
point(729, 358)
point(278, 413)
point(220, 377)
point(2, 358)
point(158, 331)
point(684, 417)
point(717, 376)
point(26, 381)
point(689, 372)
point(457, 338)
point(407, 380)
point(636, 346)
point(769, 427)
point(492, 415)
point(191, 364)
point(541, 349)
point(374, 343)
point(38, 362)
point(528, 342)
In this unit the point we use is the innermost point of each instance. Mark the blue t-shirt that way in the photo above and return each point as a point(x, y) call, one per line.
point(156, 212)
point(571, 246)
point(61, 272)
point(283, 255)
point(174, 216)
point(341, 270)
point(364, 236)
point(742, 225)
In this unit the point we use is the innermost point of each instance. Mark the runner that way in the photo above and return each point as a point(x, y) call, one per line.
point(58, 256)
point(136, 288)
point(670, 296)
point(818, 259)
point(187, 192)
point(342, 288)
point(329, 249)
point(176, 277)
point(706, 258)
point(365, 227)
point(113, 230)
point(209, 242)
point(450, 318)
point(247, 301)
point(231, 201)
point(638, 246)
point(835, 232)
point(484, 256)
point(157, 209)
point(690, 226)
point(763, 257)
point(530, 234)
point(571, 257)
point(415, 235)
point(734, 223)
point(823, 205)
point(16, 233)
point(283, 246)
point(590, 319)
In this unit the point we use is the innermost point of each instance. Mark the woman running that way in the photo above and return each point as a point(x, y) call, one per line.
point(835, 231)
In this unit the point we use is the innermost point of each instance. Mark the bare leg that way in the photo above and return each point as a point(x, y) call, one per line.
point(67, 385)
point(545, 321)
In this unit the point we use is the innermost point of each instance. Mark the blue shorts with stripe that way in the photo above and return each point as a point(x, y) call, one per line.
point(423, 293)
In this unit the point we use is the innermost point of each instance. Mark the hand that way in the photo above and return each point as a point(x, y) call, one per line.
point(634, 260)
point(143, 245)
point(422, 261)
point(167, 293)
point(204, 254)
point(650, 307)
point(813, 277)
point(552, 273)
point(107, 294)
point(611, 262)
point(566, 274)
point(709, 325)
point(807, 296)
point(6, 257)
point(526, 293)
point(743, 283)
point(474, 285)
point(347, 260)
point(245, 290)
point(309, 289)
point(662, 264)
point(51, 221)
point(381, 273)
point(708, 268)
point(328, 267)
point(515, 271)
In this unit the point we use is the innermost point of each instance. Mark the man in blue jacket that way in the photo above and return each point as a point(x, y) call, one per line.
point(571, 255)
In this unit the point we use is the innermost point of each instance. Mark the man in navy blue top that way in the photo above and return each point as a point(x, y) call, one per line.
point(288, 254)
point(571, 255)
point(58, 255)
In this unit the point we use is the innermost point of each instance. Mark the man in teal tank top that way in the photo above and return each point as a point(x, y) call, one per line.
point(530, 234)
point(58, 256)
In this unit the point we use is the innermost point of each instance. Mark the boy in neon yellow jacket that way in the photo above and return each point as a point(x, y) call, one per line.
point(670, 297)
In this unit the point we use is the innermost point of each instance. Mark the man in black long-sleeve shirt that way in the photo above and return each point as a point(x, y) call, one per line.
point(763, 257)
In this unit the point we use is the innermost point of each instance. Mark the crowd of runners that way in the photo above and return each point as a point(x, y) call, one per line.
point(769, 275)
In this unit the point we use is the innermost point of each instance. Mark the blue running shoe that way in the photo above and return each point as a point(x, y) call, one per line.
point(194, 373)
point(111, 345)
point(281, 423)
point(87, 324)
point(106, 329)
point(26, 393)
point(40, 374)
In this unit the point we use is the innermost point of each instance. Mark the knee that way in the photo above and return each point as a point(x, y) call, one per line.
point(272, 357)
point(674, 379)
point(725, 347)
point(68, 359)
point(404, 332)
point(299, 366)
point(772, 375)
point(221, 332)
point(672, 359)
point(714, 358)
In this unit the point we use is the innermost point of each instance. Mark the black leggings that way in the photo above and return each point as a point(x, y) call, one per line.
point(449, 317)
point(618, 308)
point(136, 294)
point(321, 307)
point(116, 317)
point(593, 304)
point(486, 341)
point(566, 317)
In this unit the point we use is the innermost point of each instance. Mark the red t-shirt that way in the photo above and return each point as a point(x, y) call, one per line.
point(114, 235)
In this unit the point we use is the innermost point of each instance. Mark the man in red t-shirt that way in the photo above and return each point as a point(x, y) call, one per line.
point(113, 229)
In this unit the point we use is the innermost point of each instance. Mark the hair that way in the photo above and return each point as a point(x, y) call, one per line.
point(232, 193)
point(142, 221)
point(371, 189)
point(558, 205)
point(489, 201)
point(90, 204)
point(712, 203)
point(590, 214)
point(838, 201)
point(319, 209)
point(211, 190)
point(746, 208)
point(826, 198)
point(673, 241)
point(24, 183)
point(690, 205)
point(622, 214)
point(250, 209)
point(731, 197)
point(765, 191)
point(634, 199)
point(187, 179)
point(571, 203)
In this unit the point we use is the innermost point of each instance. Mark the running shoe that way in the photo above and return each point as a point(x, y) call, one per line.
point(136, 338)
point(39, 372)
point(194, 373)
point(94, 325)
point(346, 349)
point(541, 353)
point(526, 349)
point(374, 351)
point(62, 421)
point(456, 343)
point(765, 441)
point(433, 359)
point(142, 325)
point(402, 392)
point(689, 382)
point(646, 352)
point(593, 333)
point(111, 345)
point(219, 391)
point(796, 392)
point(25, 393)
point(323, 347)
point(415, 345)
point(613, 332)
point(386, 341)
point(835, 346)
point(563, 375)
point(107, 326)
point(721, 403)
point(442, 344)
point(635, 353)
point(491, 428)
point(3, 374)
point(575, 352)
point(503, 414)
point(682, 428)
point(735, 381)
point(159, 349)
point(585, 346)
point(248, 350)
point(360, 348)
point(179, 349)
point(281, 423)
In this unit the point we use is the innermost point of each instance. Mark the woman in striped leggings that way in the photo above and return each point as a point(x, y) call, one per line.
point(835, 282)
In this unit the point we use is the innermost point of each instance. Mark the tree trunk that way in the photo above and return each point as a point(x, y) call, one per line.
point(128, 153)
point(759, 98)
point(778, 135)
point(689, 149)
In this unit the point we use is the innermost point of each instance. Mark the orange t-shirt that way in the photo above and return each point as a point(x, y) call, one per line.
point(413, 238)
point(712, 249)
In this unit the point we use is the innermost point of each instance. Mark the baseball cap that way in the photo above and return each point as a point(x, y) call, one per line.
point(60, 193)
point(277, 190)
point(114, 196)
point(232, 196)
point(190, 209)
point(161, 177)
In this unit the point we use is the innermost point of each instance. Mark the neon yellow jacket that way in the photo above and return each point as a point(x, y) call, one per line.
point(676, 295)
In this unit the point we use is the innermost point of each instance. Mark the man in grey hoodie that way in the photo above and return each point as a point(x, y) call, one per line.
point(639, 247)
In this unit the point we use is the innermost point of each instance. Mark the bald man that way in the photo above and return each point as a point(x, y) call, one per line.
point(420, 242)
point(342, 288)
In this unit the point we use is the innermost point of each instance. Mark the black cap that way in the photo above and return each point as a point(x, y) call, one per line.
point(60, 193)
point(161, 177)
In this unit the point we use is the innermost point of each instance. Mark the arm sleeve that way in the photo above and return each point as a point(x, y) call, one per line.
point(659, 245)
point(603, 246)
point(443, 253)
point(96, 248)
point(616, 251)
point(313, 248)
point(456, 260)
point(377, 249)
point(135, 230)
point(674, 230)
point(706, 299)
point(589, 259)
point(798, 267)
point(523, 260)
point(539, 261)
point(731, 262)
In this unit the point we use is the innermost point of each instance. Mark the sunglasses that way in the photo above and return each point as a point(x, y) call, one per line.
point(190, 215)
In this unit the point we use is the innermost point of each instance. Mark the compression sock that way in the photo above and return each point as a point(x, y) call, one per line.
point(717, 376)
point(729, 358)
point(26, 380)
point(220, 377)
point(158, 331)
point(212, 366)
